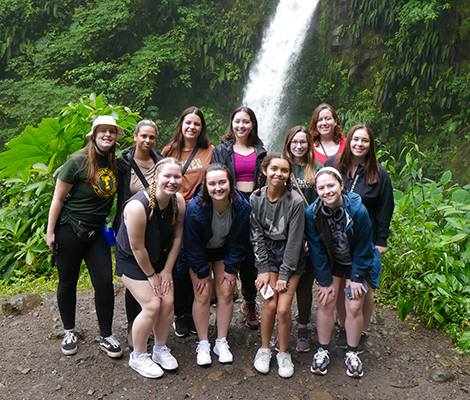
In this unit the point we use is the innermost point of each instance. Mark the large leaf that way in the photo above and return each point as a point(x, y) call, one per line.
point(31, 147)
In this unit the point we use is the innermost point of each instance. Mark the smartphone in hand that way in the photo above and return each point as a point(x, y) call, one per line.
point(347, 290)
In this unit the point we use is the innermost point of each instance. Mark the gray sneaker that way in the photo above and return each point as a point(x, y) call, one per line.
point(303, 340)
point(320, 362)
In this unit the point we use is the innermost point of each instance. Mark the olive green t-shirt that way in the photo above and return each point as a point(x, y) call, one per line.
point(307, 189)
point(86, 202)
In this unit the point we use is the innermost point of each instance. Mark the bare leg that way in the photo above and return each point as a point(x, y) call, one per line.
point(164, 320)
point(201, 309)
point(224, 300)
point(284, 316)
point(326, 315)
point(368, 308)
point(354, 319)
point(268, 317)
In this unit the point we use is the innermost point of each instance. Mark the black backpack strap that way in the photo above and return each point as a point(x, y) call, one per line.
point(188, 162)
point(137, 170)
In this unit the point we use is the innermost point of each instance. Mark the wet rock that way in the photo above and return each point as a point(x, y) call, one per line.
point(216, 376)
point(248, 372)
point(440, 374)
point(376, 319)
point(21, 303)
point(319, 396)
point(228, 369)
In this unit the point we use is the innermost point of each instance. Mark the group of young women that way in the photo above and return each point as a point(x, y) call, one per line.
point(189, 223)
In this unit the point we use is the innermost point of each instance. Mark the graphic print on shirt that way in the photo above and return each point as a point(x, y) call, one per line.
point(195, 164)
point(340, 239)
point(106, 186)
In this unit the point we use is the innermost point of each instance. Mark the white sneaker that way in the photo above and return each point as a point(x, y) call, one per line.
point(145, 366)
point(286, 367)
point(262, 360)
point(164, 358)
point(221, 349)
point(203, 353)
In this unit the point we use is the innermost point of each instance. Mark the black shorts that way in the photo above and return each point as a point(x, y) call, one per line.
point(217, 254)
point(341, 270)
point(126, 264)
point(276, 249)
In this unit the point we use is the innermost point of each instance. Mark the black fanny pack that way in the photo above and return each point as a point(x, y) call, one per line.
point(85, 231)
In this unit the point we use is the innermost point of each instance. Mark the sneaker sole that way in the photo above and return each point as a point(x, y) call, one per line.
point(285, 376)
point(224, 361)
point(144, 374)
point(355, 374)
point(111, 354)
point(70, 352)
point(204, 364)
point(180, 335)
point(302, 350)
point(318, 372)
point(251, 326)
point(261, 372)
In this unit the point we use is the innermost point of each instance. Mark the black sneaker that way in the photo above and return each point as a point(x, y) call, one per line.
point(362, 343)
point(354, 365)
point(69, 343)
point(303, 340)
point(320, 362)
point(180, 324)
point(111, 346)
point(191, 325)
point(341, 341)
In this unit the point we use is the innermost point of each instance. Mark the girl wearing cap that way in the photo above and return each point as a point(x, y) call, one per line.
point(136, 170)
point(82, 200)
point(339, 234)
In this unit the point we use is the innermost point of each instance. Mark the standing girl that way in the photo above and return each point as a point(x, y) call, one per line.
point(216, 234)
point(148, 244)
point(136, 169)
point(362, 174)
point(298, 146)
point(327, 133)
point(277, 226)
point(83, 197)
point(242, 152)
point(190, 145)
point(339, 235)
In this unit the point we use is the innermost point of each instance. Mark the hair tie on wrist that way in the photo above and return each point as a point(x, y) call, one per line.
point(149, 276)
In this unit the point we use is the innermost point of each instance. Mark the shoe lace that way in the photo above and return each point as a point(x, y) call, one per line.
point(302, 335)
point(283, 360)
point(320, 356)
point(112, 341)
point(69, 337)
point(203, 347)
point(352, 359)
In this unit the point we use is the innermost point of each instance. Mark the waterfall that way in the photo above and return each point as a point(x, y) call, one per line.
point(280, 49)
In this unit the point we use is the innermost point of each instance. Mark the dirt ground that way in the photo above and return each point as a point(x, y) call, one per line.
point(397, 361)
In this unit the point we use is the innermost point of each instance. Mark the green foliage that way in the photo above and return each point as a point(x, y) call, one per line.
point(426, 267)
point(30, 163)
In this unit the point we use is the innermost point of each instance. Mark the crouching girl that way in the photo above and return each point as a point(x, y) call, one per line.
point(339, 234)
point(216, 235)
point(277, 229)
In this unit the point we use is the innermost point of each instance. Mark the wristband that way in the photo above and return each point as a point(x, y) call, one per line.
point(149, 276)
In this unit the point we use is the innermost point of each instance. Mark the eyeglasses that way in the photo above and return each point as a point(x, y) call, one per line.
point(295, 143)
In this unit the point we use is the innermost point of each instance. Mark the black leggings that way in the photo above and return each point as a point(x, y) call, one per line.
point(97, 256)
point(304, 293)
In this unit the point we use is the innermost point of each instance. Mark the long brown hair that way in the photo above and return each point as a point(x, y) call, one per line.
point(206, 198)
point(153, 188)
point(309, 157)
point(253, 137)
point(338, 133)
point(177, 143)
point(344, 161)
point(91, 161)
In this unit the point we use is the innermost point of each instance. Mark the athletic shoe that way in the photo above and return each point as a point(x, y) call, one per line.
point(111, 346)
point(191, 324)
point(276, 344)
point(320, 362)
point(262, 360)
point(362, 343)
point(286, 367)
point(221, 349)
point(180, 324)
point(145, 366)
point(341, 340)
point(354, 365)
point(164, 357)
point(203, 351)
point(69, 343)
point(249, 310)
point(303, 340)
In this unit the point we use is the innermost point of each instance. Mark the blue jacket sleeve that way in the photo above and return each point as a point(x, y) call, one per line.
point(193, 242)
point(317, 250)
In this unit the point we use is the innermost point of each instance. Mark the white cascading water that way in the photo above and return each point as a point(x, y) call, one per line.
point(280, 49)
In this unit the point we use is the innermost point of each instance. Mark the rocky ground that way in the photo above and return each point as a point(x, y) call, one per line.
point(402, 360)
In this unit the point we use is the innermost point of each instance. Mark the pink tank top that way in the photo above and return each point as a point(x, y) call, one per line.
point(245, 167)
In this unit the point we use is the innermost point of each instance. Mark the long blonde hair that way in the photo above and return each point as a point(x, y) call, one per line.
point(153, 188)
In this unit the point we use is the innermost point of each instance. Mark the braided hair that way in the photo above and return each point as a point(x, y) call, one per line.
point(153, 188)
point(264, 166)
